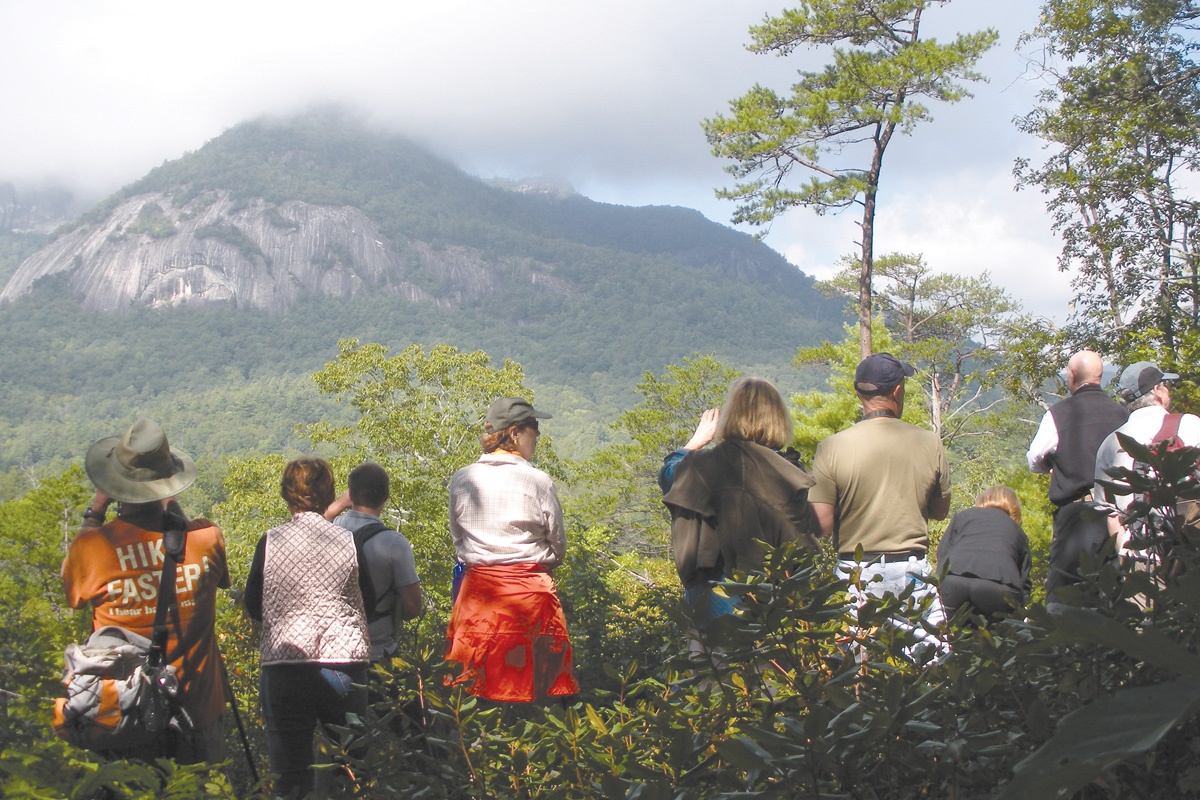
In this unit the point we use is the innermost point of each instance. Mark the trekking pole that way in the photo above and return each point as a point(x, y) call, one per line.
point(425, 720)
point(237, 718)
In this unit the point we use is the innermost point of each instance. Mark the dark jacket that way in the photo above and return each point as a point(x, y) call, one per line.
point(986, 543)
point(725, 498)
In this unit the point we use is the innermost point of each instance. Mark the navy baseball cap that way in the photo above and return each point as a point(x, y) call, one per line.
point(881, 373)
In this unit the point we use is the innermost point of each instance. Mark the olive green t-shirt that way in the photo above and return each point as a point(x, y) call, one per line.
point(879, 476)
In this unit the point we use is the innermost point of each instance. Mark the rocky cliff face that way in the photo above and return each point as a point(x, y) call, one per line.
point(216, 249)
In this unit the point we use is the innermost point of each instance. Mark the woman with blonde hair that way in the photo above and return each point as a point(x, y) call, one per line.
point(724, 500)
point(507, 629)
point(984, 557)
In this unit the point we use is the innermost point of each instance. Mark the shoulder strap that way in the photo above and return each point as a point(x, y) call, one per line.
point(368, 532)
point(365, 585)
point(1169, 430)
point(174, 544)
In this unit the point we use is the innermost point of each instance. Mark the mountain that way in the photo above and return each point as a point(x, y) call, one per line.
point(319, 205)
point(363, 233)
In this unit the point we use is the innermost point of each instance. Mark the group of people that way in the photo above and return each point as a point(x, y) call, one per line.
point(1077, 444)
point(330, 584)
point(872, 489)
point(875, 486)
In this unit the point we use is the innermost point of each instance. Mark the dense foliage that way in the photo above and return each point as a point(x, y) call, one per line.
point(1098, 698)
point(1121, 123)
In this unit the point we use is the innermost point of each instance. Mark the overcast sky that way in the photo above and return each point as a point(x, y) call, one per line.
point(606, 96)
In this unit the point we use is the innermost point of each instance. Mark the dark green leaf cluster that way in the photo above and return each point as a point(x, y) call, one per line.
point(231, 234)
point(152, 222)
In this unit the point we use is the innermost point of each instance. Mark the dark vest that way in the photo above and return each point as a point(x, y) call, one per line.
point(1083, 421)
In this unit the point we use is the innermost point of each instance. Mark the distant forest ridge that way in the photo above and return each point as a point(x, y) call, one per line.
point(644, 287)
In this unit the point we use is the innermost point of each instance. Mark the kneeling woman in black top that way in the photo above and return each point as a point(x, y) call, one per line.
point(983, 556)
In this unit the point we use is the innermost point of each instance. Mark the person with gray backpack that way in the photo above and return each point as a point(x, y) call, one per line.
point(387, 571)
point(149, 682)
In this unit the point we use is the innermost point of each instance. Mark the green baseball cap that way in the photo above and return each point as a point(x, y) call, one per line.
point(509, 411)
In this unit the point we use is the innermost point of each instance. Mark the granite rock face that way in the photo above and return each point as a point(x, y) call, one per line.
point(218, 249)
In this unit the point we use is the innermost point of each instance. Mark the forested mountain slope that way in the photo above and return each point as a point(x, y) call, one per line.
point(365, 234)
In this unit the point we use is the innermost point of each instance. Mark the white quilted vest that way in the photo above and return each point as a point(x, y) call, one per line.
point(312, 606)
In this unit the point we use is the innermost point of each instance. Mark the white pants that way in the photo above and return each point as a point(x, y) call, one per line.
point(894, 578)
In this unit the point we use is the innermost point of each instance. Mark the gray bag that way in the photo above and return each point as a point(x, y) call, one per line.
point(115, 698)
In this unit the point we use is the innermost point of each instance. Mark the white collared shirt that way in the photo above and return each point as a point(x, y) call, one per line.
point(503, 510)
point(1143, 425)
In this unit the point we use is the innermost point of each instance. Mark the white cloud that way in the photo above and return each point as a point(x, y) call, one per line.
point(970, 224)
point(606, 96)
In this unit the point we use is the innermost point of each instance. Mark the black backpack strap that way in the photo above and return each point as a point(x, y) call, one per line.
point(368, 532)
point(174, 544)
point(365, 585)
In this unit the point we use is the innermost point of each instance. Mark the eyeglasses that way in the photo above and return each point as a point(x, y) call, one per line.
point(533, 425)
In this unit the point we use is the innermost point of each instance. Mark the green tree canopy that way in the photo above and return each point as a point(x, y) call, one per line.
point(419, 415)
point(957, 330)
point(1121, 120)
point(618, 485)
point(876, 85)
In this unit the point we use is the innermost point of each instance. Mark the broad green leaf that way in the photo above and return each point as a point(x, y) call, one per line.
point(1100, 735)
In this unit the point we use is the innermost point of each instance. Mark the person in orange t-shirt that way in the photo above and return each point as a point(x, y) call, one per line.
point(115, 567)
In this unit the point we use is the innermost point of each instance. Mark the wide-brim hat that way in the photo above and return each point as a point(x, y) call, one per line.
point(139, 466)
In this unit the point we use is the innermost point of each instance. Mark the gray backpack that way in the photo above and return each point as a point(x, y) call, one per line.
point(120, 692)
point(115, 698)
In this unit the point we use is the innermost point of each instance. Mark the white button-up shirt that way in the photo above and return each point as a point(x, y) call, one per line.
point(1143, 425)
point(503, 510)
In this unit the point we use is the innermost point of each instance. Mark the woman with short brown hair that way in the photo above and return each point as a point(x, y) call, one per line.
point(303, 586)
point(306, 484)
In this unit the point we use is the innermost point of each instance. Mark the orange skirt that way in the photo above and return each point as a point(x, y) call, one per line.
point(509, 633)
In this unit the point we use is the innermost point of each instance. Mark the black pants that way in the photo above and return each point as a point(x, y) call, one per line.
point(295, 697)
point(986, 597)
point(1073, 535)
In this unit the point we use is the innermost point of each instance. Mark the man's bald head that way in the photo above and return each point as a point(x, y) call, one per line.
point(1086, 366)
